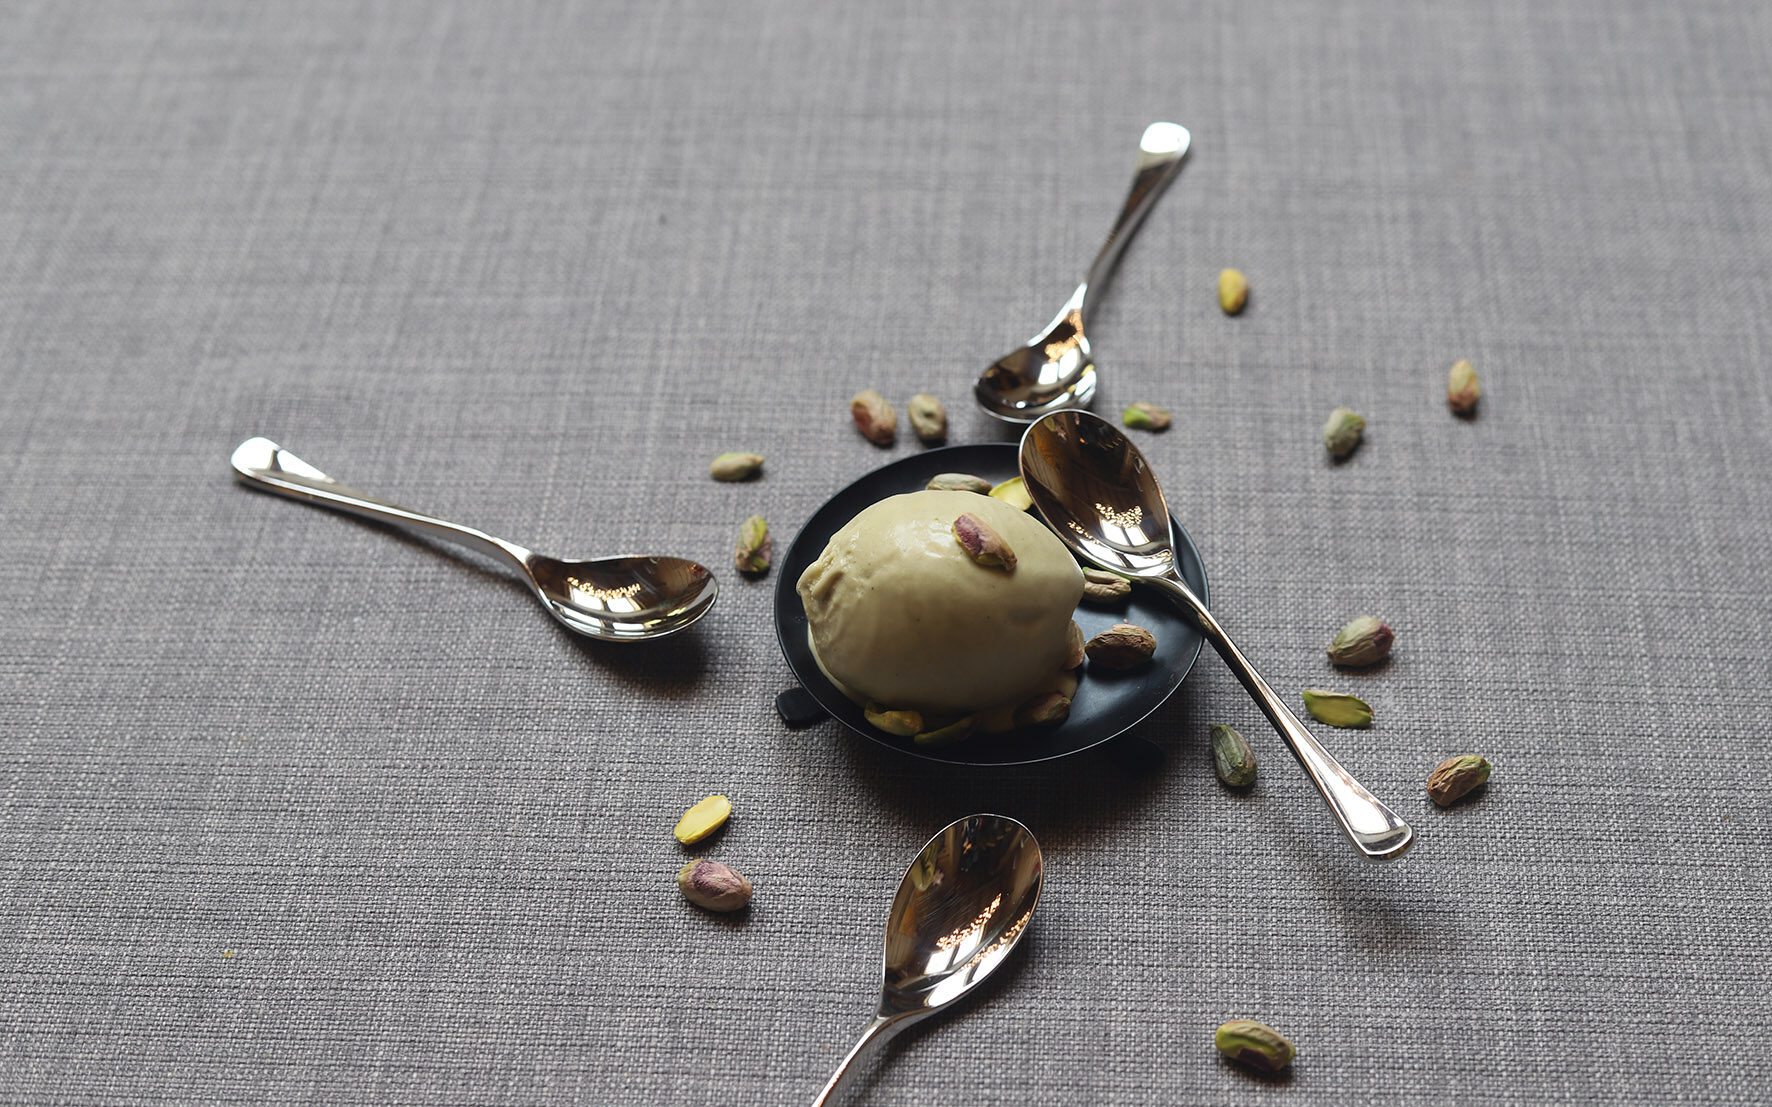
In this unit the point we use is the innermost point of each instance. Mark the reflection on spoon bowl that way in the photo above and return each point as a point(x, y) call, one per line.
point(614, 599)
point(1055, 370)
point(1099, 495)
point(961, 906)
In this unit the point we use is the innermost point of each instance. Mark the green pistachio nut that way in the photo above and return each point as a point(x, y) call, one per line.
point(1255, 1044)
point(1342, 431)
point(1463, 389)
point(1232, 758)
point(1343, 709)
point(755, 547)
point(959, 482)
point(736, 466)
point(1143, 416)
point(1233, 291)
point(902, 723)
point(928, 418)
point(957, 731)
point(1364, 641)
point(1455, 777)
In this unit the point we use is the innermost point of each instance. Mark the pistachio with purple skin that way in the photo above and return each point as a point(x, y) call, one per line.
point(874, 417)
point(714, 886)
point(1364, 641)
point(982, 544)
point(1456, 777)
point(1462, 389)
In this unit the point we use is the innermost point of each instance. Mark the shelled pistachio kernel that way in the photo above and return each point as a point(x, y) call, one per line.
point(929, 419)
point(736, 466)
point(874, 417)
point(1456, 777)
point(1047, 709)
point(1342, 431)
point(902, 723)
point(982, 543)
point(1462, 388)
point(1143, 416)
point(1013, 492)
point(1254, 1043)
point(1233, 291)
point(1343, 709)
point(1363, 641)
point(959, 482)
point(1105, 587)
point(703, 819)
point(1075, 647)
point(1232, 758)
point(713, 885)
point(1121, 646)
point(755, 548)
point(957, 731)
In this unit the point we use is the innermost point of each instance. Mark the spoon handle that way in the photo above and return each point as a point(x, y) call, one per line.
point(1375, 829)
point(268, 466)
point(878, 1032)
point(1159, 158)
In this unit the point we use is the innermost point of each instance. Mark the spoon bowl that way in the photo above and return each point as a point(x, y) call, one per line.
point(1055, 370)
point(613, 599)
point(961, 907)
point(1100, 497)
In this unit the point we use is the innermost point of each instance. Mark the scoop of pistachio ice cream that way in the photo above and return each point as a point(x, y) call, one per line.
point(900, 614)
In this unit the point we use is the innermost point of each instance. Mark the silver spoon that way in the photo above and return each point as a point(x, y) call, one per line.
point(960, 908)
point(1098, 494)
point(1056, 369)
point(617, 599)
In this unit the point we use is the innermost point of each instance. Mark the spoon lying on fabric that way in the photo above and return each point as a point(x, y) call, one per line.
point(1056, 369)
point(961, 907)
point(616, 599)
point(1099, 496)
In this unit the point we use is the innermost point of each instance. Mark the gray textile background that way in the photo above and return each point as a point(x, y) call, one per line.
point(293, 810)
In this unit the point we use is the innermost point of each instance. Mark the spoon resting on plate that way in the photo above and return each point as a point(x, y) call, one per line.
point(961, 907)
point(613, 599)
point(1056, 369)
point(1100, 497)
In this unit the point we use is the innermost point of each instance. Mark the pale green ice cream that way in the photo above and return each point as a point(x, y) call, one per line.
point(899, 614)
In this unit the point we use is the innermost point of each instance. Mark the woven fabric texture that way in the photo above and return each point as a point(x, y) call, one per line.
point(294, 809)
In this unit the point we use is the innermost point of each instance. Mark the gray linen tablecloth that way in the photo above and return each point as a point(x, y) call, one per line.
point(295, 810)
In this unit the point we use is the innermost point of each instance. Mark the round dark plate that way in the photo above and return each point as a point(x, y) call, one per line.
point(1106, 705)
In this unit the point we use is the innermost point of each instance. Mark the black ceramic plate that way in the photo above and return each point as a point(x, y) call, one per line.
point(1107, 704)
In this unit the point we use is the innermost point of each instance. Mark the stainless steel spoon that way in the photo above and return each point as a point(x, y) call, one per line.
point(617, 599)
point(1056, 369)
point(1098, 494)
point(961, 907)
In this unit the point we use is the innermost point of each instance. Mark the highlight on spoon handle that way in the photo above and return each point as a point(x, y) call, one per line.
point(880, 1031)
point(269, 467)
point(1160, 152)
point(1375, 829)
